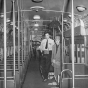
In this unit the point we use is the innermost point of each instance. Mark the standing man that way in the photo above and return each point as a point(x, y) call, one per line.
point(46, 49)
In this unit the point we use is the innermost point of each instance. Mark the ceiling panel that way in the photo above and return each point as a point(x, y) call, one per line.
point(48, 5)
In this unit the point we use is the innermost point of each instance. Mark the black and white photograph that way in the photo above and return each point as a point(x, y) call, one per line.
point(43, 43)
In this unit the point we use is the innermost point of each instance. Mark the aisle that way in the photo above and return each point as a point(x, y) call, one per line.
point(33, 78)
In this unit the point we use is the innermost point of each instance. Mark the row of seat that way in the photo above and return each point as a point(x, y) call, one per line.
point(14, 81)
point(80, 77)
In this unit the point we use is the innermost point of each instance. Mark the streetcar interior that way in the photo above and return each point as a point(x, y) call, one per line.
point(24, 24)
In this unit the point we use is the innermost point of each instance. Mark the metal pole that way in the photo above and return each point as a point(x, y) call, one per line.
point(62, 59)
point(5, 57)
point(21, 7)
point(18, 38)
point(72, 38)
point(63, 31)
point(85, 49)
point(22, 42)
point(28, 43)
point(53, 32)
point(14, 38)
point(62, 43)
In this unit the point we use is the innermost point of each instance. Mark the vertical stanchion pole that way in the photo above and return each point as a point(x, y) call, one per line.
point(28, 44)
point(5, 57)
point(31, 45)
point(62, 32)
point(14, 38)
point(62, 58)
point(21, 26)
point(62, 43)
point(53, 32)
point(18, 37)
point(72, 38)
point(85, 49)
point(22, 42)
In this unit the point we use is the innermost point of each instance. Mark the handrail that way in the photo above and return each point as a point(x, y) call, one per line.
point(62, 75)
point(80, 75)
point(9, 69)
point(15, 60)
point(64, 71)
point(7, 77)
point(9, 64)
point(5, 58)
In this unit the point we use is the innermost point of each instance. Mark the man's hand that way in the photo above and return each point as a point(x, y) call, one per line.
point(53, 61)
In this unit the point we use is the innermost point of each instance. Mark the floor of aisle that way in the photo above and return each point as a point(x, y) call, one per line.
point(33, 78)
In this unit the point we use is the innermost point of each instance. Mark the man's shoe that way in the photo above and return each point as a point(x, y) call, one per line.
point(58, 86)
point(52, 83)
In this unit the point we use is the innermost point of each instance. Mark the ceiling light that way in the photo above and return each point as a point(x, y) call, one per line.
point(37, 8)
point(11, 23)
point(36, 29)
point(1, 15)
point(8, 20)
point(70, 15)
point(36, 17)
point(36, 25)
point(81, 8)
point(37, 1)
point(65, 20)
point(16, 27)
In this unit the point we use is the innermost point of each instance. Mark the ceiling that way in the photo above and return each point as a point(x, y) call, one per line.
point(56, 5)
point(52, 9)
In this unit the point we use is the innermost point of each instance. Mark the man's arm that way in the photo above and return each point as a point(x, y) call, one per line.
point(53, 42)
point(41, 46)
point(52, 57)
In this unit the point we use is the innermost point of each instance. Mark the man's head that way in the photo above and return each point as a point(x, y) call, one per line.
point(57, 40)
point(47, 36)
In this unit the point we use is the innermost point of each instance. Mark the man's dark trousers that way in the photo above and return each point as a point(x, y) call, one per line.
point(46, 63)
